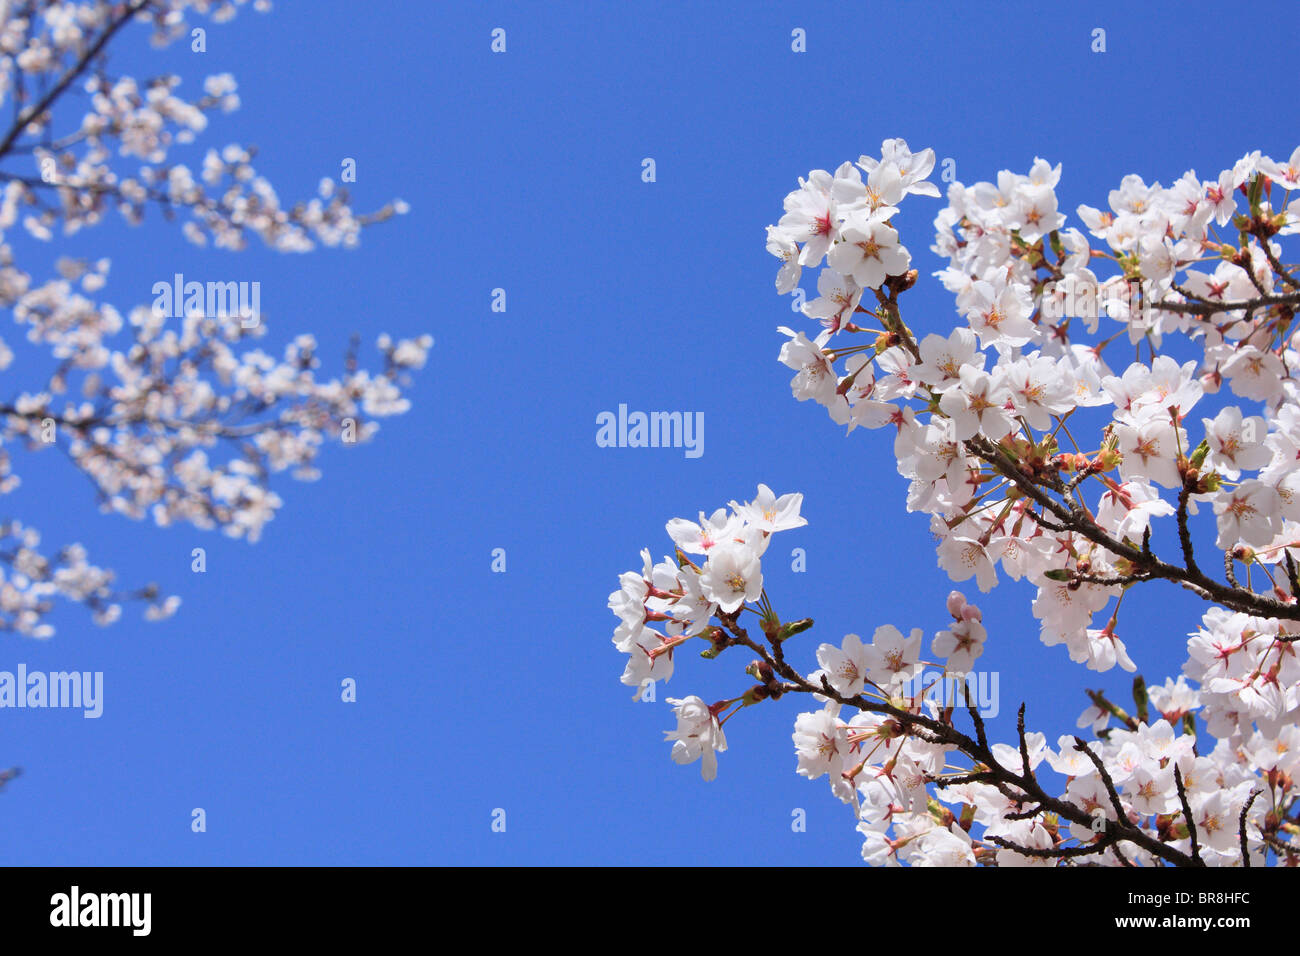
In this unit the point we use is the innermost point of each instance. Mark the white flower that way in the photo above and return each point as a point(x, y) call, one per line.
point(892, 658)
point(771, 513)
point(942, 359)
point(811, 217)
point(961, 644)
point(821, 744)
point(647, 661)
point(1236, 442)
point(1000, 316)
point(838, 297)
point(732, 576)
point(784, 248)
point(914, 167)
point(845, 667)
point(978, 404)
point(698, 537)
point(698, 735)
point(1127, 509)
point(869, 251)
point(944, 847)
point(1249, 513)
point(1150, 451)
point(1286, 175)
point(816, 378)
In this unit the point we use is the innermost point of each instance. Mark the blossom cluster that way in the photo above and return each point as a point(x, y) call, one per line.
point(978, 411)
point(30, 579)
point(73, 180)
point(981, 414)
point(890, 777)
point(176, 420)
point(892, 760)
point(1010, 376)
point(681, 597)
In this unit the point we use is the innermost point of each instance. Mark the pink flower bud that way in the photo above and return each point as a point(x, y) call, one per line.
point(956, 602)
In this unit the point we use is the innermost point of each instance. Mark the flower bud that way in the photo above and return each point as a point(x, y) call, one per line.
point(793, 628)
point(956, 602)
point(1110, 458)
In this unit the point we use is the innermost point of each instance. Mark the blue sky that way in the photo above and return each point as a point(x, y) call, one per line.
point(481, 690)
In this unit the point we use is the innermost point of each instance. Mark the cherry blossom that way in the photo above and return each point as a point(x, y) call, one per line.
point(1080, 476)
point(698, 735)
point(174, 418)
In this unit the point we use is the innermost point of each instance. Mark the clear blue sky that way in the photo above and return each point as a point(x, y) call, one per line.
point(523, 171)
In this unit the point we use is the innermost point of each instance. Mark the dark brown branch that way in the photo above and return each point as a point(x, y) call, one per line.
point(990, 770)
point(1187, 815)
point(1115, 803)
point(1213, 308)
point(1236, 599)
point(1278, 269)
point(1241, 828)
point(57, 90)
point(1184, 533)
point(1229, 571)
point(1055, 852)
